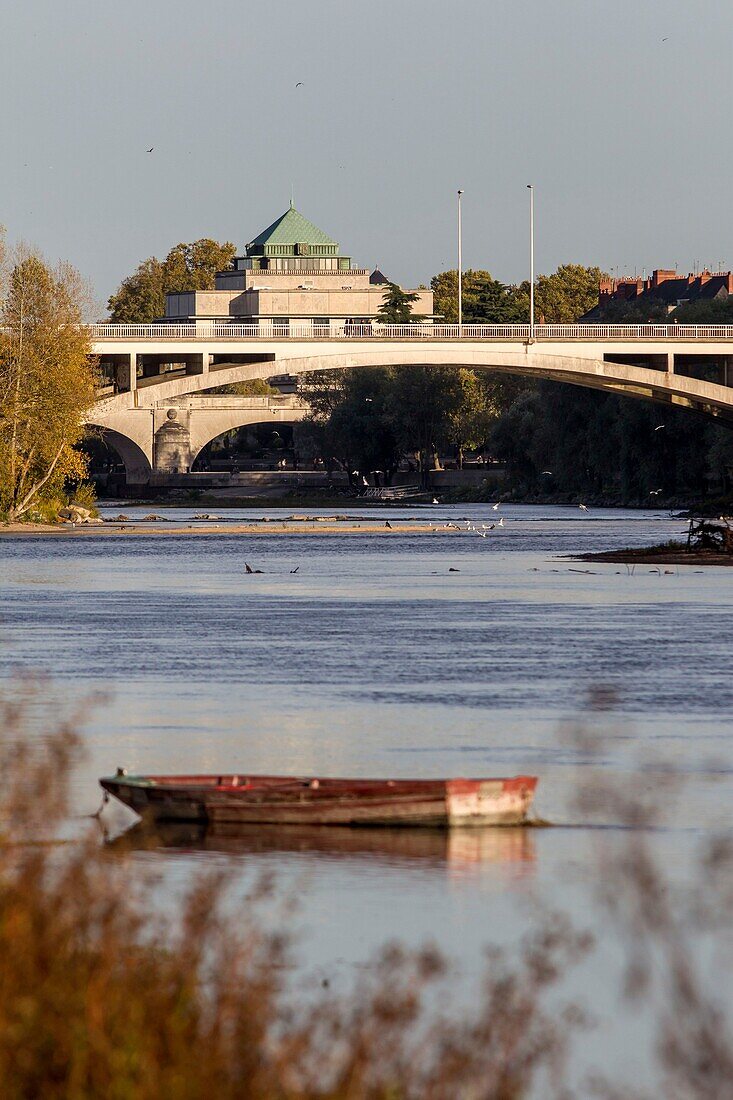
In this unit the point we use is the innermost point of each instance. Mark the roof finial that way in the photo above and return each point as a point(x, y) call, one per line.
point(292, 204)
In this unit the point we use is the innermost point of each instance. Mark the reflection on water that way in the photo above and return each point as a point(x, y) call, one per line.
point(443, 848)
point(374, 659)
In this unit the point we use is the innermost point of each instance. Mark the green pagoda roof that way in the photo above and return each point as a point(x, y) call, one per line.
point(292, 228)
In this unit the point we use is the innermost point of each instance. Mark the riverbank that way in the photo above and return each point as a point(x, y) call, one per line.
point(665, 554)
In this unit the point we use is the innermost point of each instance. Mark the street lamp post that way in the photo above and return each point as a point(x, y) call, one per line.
point(460, 267)
point(530, 188)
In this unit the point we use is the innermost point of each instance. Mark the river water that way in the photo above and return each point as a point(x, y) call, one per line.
point(375, 659)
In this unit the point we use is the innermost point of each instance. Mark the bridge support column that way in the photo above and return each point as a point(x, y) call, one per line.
point(670, 362)
point(171, 441)
point(133, 375)
point(727, 379)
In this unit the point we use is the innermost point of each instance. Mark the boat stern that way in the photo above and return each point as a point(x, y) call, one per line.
point(489, 801)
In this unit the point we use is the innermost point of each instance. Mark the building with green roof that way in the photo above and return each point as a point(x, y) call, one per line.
point(291, 272)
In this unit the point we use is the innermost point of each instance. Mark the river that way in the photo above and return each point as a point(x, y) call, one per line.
point(375, 659)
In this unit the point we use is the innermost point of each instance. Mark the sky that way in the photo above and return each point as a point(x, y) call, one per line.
point(618, 112)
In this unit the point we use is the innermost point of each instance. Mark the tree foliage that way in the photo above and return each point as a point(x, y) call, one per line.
point(567, 294)
point(188, 266)
point(46, 381)
point(560, 298)
point(396, 308)
point(193, 266)
point(141, 296)
point(369, 419)
point(560, 438)
point(484, 299)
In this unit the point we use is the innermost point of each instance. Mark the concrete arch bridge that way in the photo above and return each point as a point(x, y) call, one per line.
point(158, 417)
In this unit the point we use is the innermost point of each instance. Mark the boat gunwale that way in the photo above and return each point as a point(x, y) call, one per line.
point(326, 784)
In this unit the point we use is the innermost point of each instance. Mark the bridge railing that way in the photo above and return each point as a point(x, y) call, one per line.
point(417, 331)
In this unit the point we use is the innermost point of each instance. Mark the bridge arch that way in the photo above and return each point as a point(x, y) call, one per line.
point(207, 426)
point(137, 464)
point(665, 387)
point(201, 439)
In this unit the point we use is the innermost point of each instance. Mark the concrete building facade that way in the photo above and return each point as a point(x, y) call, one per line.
point(292, 272)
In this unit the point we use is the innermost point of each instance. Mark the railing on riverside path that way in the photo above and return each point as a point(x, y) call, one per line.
point(417, 331)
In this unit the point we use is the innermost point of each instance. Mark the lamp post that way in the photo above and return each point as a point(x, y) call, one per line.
point(530, 188)
point(460, 267)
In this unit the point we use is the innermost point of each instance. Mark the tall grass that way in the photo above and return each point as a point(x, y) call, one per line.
point(102, 997)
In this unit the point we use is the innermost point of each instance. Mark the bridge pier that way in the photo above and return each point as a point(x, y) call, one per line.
point(670, 362)
point(166, 438)
point(172, 441)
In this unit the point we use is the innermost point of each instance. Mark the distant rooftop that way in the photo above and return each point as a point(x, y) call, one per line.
point(292, 228)
point(664, 287)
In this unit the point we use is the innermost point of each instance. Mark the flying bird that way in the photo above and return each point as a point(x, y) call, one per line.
point(388, 524)
point(299, 84)
point(583, 507)
point(496, 506)
point(435, 500)
point(295, 570)
point(659, 427)
point(151, 148)
point(654, 492)
point(501, 522)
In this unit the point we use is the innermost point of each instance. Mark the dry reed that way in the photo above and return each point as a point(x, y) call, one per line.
point(100, 996)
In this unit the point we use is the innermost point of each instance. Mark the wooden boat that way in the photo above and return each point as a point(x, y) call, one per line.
point(301, 800)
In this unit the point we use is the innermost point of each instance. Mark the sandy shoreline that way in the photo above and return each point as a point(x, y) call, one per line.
point(257, 527)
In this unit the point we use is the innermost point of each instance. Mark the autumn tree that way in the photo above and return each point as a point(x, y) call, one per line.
point(193, 266)
point(473, 419)
point(188, 266)
point(46, 381)
point(567, 294)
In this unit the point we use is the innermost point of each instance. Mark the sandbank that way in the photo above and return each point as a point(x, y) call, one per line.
point(203, 527)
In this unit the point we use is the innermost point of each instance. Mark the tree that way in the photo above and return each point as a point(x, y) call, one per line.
point(425, 402)
point(141, 296)
point(705, 312)
point(46, 382)
point(396, 309)
point(567, 294)
point(473, 419)
point(193, 266)
point(350, 420)
point(252, 387)
point(484, 299)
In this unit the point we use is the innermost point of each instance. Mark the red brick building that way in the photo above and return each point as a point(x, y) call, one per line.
point(665, 288)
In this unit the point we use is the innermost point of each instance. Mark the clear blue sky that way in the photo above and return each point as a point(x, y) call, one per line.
point(627, 137)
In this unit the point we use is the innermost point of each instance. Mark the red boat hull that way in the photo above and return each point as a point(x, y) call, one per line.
point(301, 800)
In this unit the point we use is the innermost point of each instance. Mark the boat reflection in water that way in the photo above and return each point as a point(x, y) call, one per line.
point(452, 848)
